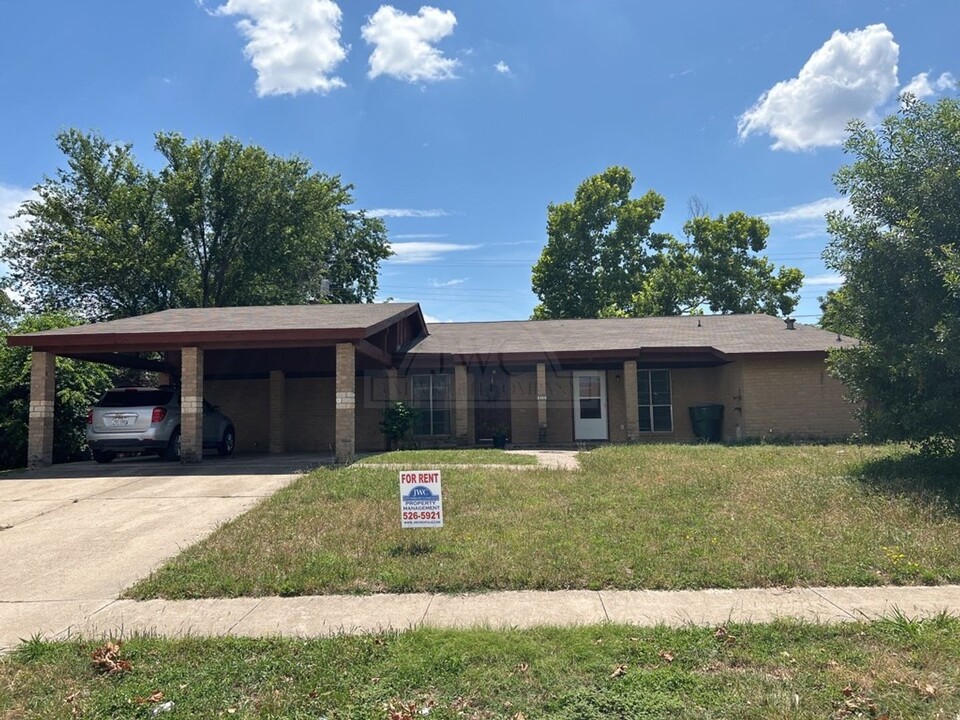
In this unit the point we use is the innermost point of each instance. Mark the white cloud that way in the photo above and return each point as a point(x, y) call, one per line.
point(447, 283)
point(419, 236)
point(294, 45)
point(502, 68)
point(921, 86)
point(831, 280)
point(431, 320)
point(405, 213)
point(851, 76)
point(808, 211)
point(403, 44)
point(11, 197)
point(406, 253)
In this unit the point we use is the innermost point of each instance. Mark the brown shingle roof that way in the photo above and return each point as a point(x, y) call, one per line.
point(354, 321)
point(729, 334)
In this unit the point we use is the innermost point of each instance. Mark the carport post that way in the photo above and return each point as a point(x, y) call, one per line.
point(541, 403)
point(278, 401)
point(346, 403)
point(43, 382)
point(191, 405)
point(631, 400)
point(461, 417)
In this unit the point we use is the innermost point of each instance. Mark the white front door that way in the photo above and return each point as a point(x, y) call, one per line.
point(589, 405)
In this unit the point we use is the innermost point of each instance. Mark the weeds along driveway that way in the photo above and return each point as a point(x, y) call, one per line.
point(75, 535)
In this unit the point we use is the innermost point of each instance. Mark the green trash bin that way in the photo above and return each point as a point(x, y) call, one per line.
point(707, 422)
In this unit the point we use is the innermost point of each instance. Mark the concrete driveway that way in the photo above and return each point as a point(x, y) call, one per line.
point(72, 537)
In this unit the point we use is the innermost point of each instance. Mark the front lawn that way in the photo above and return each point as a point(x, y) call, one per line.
point(893, 668)
point(429, 458)
point(659, 516)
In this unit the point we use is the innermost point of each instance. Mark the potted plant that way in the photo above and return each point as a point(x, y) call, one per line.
point(499, 435)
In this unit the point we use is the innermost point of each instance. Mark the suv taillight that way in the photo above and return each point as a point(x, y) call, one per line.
point(158, 415)
point(90, 416)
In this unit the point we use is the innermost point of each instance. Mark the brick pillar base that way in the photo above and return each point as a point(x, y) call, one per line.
point(346, 403)
point(191, 405)
point(541, 403)
point(631, 400)
point(278, 411)
point(43, 370)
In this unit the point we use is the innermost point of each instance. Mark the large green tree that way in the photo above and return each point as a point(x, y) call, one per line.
point(79, 384)
point(602, 258)
point(897, 249)
point(221, 223)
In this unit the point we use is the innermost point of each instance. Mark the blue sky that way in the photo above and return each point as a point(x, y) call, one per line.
point(458, 122)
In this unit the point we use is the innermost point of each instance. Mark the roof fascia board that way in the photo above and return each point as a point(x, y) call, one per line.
point(209, 339)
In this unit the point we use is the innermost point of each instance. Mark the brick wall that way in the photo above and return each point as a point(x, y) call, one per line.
point(524, 426)
point(372, 398)
point(794, 396)
point(310, 415)
point(559, 407)
point(616, 406)
point(247, 404)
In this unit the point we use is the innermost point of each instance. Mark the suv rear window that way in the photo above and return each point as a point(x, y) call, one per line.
point(135, 398)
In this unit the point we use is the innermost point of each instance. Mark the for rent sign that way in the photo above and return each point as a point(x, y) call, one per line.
point(421, 500)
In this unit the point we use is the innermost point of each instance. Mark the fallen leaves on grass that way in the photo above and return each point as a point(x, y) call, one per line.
point(619, 671)
point(857, 705)
point(106, 658)
point(666, 656)
point(152, 699)
point(399, 710)
point(927, 690)
point(724, 636)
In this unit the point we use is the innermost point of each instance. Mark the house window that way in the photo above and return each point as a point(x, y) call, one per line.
point(430, 394)
point(653, 397)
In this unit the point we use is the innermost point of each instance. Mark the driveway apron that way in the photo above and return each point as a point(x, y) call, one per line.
point(72, 537)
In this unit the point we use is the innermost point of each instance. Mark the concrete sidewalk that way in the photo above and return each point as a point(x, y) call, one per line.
point(329, 615)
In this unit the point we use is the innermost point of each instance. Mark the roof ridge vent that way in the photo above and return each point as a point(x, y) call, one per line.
point(790, 323)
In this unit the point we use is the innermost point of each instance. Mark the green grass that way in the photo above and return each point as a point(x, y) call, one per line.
point(423, 458)
point(664, 517)
point(907, 669)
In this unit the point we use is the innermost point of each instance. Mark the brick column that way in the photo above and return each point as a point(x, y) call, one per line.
point(541, 403)
point(346, 403)
point(461, 416)
point(630, 400)
point(43, 383)
point(191, 405)
point(278, 411)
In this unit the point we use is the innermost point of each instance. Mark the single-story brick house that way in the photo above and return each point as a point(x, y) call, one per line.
point(316, 378)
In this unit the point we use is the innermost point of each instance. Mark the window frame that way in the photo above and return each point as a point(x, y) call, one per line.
point(648, 409)
point(431, 408)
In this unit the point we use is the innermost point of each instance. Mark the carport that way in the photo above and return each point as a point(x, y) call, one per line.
point(271, 363)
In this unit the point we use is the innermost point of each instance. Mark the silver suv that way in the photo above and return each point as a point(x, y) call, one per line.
point(147, 420)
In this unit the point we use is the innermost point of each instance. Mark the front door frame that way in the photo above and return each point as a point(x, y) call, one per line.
point(590, 428)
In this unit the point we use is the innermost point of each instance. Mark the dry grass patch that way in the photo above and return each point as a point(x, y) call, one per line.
point(668, 517)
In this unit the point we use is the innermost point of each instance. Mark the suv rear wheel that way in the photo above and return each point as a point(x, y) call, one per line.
point(173, 447)
point(227, 443)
